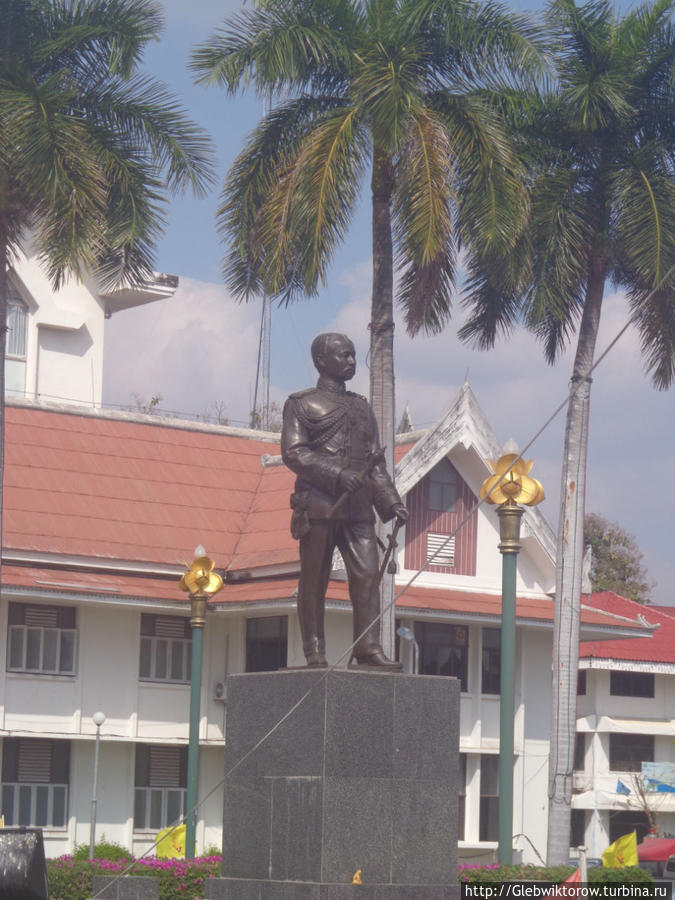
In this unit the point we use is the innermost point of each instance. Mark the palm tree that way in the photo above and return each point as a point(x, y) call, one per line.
point(88, 147)
point(380, 86)
point(601, 149)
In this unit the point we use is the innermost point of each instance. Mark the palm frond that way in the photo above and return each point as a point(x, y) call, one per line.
point(493, 202)
point(308, 212)
point(423, 227)
point(108, 35)
point(257, 172)
point(644, 222)
point(152, 124)
point(493, 292)
point(654, 315)
point(277, 45)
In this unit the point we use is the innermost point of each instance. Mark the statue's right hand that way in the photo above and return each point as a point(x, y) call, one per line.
point(349, 480)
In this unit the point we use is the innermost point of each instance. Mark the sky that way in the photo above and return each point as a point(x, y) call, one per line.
point(198, 350)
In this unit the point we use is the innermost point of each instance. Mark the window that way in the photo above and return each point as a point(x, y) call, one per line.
point(444, 650)
point(581, 683)
point(266, 643)
point(442, 487)
point(579, 755)
point(461, 804)
point(35, 782)
point(624, 822)
point(578, 828)
point(41, 639)
point(160, 786)
point(166, 649)
point(631, 684)
point(627, 752)
point(17, 315)
point(491, 661)
point(488, 823)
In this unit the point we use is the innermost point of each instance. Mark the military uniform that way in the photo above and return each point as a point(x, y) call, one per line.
point(326, 430)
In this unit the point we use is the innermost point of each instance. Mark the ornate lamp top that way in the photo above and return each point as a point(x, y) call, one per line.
point(200, 577)
point(512, 481)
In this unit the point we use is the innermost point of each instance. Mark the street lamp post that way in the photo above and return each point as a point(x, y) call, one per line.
point(510, 482)
point(201, 582)
point(98, 719)
point(409, 635)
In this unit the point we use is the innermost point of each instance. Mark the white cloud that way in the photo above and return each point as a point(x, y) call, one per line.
point(197, 348)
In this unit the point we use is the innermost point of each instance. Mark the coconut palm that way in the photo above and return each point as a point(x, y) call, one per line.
point(368, 85)
point(601, 148)
point(88, 147)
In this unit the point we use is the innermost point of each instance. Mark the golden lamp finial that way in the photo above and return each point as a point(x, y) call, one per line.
point(200, 577)
point(511, 480)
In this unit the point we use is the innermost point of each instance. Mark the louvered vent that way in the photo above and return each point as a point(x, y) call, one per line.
point(443, 547)
point(169, 627)
point(35, 761)
point(41, 616)
point(164, 766)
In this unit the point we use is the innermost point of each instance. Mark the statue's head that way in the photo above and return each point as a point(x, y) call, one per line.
point(334, 355)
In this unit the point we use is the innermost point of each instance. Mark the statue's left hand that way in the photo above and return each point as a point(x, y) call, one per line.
point(400, 511)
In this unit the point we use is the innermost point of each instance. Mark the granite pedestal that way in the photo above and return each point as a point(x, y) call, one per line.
point(362, 775)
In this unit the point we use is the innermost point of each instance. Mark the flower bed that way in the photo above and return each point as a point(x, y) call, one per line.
point(179, 879)
point(182, 879)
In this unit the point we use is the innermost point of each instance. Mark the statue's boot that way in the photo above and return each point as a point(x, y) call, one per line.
point(315, 653)
point(375, 656)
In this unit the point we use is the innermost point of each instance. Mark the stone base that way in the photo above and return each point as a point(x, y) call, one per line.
point(236, 889)
point(363, 775)
point(129, 887)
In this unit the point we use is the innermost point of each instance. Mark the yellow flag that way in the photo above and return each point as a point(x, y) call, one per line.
point(623, 852)
point(171, 844)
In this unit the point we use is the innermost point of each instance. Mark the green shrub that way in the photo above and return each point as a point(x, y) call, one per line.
point(179, 879)
point(102, 850)
point(557, 874)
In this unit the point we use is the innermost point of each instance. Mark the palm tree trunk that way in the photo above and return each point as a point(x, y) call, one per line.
point(382, 343)
point(570, 550)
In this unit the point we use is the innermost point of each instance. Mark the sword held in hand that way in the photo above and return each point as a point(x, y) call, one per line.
point(376, 457)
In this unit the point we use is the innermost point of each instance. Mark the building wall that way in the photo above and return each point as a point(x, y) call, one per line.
point(64, 351)
point(596, 784)
point(139, 712)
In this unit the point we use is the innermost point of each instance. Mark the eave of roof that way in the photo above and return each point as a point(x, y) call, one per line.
point(659, 650)
point(447, 604)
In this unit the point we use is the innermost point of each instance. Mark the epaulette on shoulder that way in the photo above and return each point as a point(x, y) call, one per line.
point(299, 394)
point(357, 396)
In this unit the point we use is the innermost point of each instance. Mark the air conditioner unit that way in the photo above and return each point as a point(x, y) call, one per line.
point(580, 782)
point(219, 692)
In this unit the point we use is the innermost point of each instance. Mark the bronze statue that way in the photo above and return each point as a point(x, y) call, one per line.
point(330, 440)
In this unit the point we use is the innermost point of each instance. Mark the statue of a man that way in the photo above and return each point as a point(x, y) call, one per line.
point(330, 440)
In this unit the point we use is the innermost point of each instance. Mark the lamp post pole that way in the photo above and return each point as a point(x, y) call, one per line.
point(201, 582)
point(510, 482)
point(98, 719)
point(197, 621)
point(510, 515)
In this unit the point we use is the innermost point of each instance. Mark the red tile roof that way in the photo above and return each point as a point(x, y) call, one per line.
point(112, 491)
point(659, 648)
point(86, 486)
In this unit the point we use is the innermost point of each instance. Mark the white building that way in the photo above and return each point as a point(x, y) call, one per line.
point(55, 338)
point(100, 512)
point(626, 718)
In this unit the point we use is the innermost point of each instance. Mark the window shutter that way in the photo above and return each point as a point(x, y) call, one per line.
point(170, 627)
point(165, 767)
point(42, 616)
point(35, 761)
point(444, 556)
